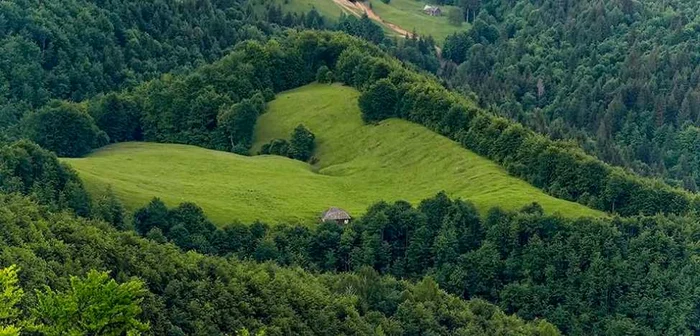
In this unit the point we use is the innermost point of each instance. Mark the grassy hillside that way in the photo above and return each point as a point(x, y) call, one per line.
point(358, 165)
point(409, 15)
point(406, 14)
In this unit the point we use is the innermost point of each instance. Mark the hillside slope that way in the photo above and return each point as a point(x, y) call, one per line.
point(621, 79)
point(358, 165)
point(409, 15)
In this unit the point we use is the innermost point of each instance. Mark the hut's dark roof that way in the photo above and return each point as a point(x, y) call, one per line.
point(335, 214)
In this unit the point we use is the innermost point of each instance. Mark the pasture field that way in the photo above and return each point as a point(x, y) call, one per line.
point(357, 165)
point(409, 15)
point(405, 15)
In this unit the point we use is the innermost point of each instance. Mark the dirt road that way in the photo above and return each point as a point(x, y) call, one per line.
point(347, 6)
point(358, 8)
point(372, 15)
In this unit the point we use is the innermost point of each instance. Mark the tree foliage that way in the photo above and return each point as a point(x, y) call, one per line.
point(214, 107)
point(301, 145)
point(455, 16)
point(10, 296)
point(217, 105)
point(237, 123)
point(324, 75)
point(275, 147)
point(189, 293)
point(620, 78)
point(362, 27)
point(27, 169)
point(64, 128)
point(557, 167)
point(587, 276)
point(379, 101)
point(74, 49)
point(96, 305)
point(562, 68)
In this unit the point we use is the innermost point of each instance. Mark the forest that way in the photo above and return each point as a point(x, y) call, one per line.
point(170, 292)
point(619, 78)
point(216, 107)
point(586, 276)
point(627, 274)
point(76, 49)
point(592, 102)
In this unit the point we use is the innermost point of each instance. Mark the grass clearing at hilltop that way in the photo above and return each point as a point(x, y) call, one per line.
point(357, 166)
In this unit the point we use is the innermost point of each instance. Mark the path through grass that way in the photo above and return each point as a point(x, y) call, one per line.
point(409, 15)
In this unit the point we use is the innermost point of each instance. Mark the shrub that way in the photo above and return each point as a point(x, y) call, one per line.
point(302, 144)
point(324, 75)
point(64, 128)
point(379, 101)
point(276, 147)
point(299, 148)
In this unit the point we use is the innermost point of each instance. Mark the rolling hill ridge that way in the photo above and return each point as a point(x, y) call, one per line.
point(357, 165)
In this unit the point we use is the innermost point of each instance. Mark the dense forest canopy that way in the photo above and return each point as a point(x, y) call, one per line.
point(216, 106)
point(192, 294)
point(619, 77)
point(587, 276)
point(73, 49)
point(83, 51)
point(637, 274)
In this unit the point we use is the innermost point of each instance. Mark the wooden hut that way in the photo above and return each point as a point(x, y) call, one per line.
point(432, 10)
point(337, 215)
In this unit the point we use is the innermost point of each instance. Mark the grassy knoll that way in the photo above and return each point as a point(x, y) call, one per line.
point(409, 15)
point(358, 165)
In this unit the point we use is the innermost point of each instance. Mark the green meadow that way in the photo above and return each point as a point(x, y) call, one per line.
point(357, 165)
point(409, 15)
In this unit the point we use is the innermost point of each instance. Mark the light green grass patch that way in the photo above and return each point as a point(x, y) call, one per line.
point(409, 15)
point(358, 165)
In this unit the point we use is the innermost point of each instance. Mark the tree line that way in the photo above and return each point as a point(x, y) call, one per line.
point(559, 168)
point(587, 276)
point(214, 107)
point(61, 242)
point(73, 50)
point(217, 106)
point(199, 118)
point(27, 169)
point(415, 50)
point(602, 276)
point(620, 78)
point(158, 289)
